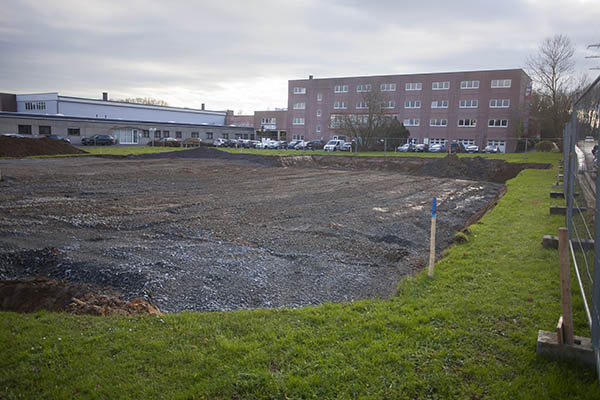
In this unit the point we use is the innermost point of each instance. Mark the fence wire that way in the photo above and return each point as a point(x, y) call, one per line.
point(581, 182)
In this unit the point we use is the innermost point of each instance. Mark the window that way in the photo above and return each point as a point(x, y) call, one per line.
point(388, 104)
point(299, 106)
point(499, 103)
point(413, 86)
point(340, 105)
point(319, 96)
point(466, 142)
point(318, 128)
point(467, 123)
point(318, 112)
point(166, 133)
point(146, 133)
point(268, 121)
point(178, 134)
point(225, 136)
point(195, 134)
point(35, 105)
point(362, 104)
point(440, 85)
point(336, 121)
point(298, 121)
point(412, 122)
point(438, 122)
point(501, 83)
point(366, 87)
point(439, 104)
point(24, 129)
point(387, 87)
point(471, 103)
point(157, 134)
point(209, 135)
point(361, 119)
point(341, 89)
point(299, 90)
point(437, 141)
point(469, 84)
point(73, 132)
point(498, 123)
point(412, 104)
point(45, 130)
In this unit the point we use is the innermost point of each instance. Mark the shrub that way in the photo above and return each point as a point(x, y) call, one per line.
point(546, 146)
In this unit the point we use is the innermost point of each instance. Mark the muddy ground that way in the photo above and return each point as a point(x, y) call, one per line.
point(213, 235)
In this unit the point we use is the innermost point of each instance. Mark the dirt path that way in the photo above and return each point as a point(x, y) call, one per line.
point(214, 235)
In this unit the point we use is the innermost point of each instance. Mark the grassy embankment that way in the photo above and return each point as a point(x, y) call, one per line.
point(468, 333)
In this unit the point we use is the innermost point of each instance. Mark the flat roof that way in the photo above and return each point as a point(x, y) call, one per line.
point(56, 117)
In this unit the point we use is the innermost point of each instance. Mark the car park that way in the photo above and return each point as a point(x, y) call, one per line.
point(98, 140)
point(491, 149)
point(334, 145)
point(472, 148)
point(406, 148)
point(437, 148)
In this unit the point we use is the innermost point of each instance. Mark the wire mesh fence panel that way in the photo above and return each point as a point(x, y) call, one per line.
point(581, 182)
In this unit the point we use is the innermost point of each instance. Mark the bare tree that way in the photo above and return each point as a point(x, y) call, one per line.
point(552, 68)
point(371, 122)
point(144, 100)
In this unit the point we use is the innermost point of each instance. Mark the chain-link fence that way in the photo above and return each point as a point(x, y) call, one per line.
point(581, 182)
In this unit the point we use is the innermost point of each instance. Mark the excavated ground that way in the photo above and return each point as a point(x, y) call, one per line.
point(204, 234)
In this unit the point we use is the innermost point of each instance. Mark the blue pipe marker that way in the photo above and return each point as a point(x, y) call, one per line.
point(433, 207)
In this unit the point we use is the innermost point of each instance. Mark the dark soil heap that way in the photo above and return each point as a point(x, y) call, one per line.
point(40, 293)
point(25, 147)
point(210, 153)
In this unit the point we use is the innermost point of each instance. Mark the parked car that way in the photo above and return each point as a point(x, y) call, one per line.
point(334, 145)
point(13, 135)
point(491, 149)
point(589, 138)
point(98, 140)
point(347, 146)
point(293, 144)
point(457, 148)
point(57, 137)
point(220, 142)
point(422, 148)
point(406, 148)
point(301, 145)
point(472, 148)
point(314, 145)
point(437, 148)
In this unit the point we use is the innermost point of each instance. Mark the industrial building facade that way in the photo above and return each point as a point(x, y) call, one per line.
point(473, 107)
point(35, 115)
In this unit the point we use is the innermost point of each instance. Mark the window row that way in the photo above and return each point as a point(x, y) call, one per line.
point(35, 105)
point(411, 86)
point(462, 123)
point(466, 103)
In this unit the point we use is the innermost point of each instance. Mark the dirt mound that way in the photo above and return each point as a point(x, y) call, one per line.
point(451, 166)
point(475, 168)
point(211, 153)
point(40, 293)
point(24, 147)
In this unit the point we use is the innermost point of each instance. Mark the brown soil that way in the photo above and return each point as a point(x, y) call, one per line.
point(25, 147)
point(40, 293)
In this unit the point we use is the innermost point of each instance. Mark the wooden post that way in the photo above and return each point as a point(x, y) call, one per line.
point(565, 285)
point(432, 238)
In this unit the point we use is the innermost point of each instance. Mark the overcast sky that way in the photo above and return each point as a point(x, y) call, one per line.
point(239, 55)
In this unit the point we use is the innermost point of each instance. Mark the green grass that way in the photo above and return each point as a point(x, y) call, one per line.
point(510, 157)
point(469, 333)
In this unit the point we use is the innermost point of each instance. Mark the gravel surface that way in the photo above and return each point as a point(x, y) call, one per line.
point(214, 235)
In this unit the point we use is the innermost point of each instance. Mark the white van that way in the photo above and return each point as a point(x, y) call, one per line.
point(334, 145)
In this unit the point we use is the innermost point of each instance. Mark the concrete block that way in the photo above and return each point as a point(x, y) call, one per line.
point(561, 194)
point(551, 242)
point(558, 210)
point(582, 350)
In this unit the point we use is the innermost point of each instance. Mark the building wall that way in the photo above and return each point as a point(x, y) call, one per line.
point(306, 106)
point(9, 123)
point(8, 102)
point(52, 103)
